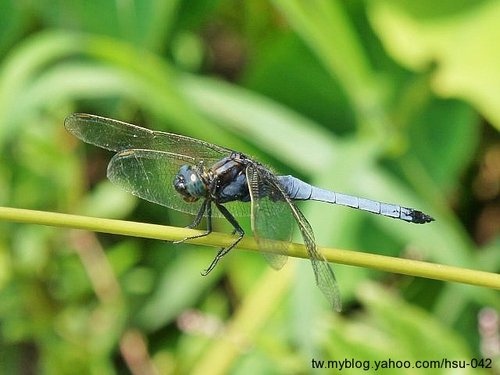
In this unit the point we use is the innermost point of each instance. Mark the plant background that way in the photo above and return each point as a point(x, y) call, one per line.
point(391, 100)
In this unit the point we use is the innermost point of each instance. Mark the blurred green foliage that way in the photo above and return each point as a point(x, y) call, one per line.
point(392, 100)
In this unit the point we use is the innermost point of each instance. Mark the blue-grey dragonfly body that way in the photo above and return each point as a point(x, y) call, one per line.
point(163, 167)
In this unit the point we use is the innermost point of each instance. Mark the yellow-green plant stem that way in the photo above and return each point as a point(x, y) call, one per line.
point(161, 232)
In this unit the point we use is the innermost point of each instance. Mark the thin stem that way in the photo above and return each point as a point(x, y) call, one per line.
point(161, 232)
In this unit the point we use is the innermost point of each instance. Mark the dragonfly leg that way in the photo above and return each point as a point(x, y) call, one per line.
point(237, 229)
point(199, 215)
point(206, 206)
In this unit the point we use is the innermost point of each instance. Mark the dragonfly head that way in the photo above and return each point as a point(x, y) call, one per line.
point(189, 184)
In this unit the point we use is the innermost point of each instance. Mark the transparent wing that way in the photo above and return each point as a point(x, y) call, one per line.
point(149, 175)
point(117, 136)
point(271, 218)
point(325, 278)
point(273, 213)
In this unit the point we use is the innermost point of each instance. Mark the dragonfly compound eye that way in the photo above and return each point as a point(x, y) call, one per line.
point(188, 183)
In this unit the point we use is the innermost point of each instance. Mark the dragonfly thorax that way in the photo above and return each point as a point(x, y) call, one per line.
point(189, 183)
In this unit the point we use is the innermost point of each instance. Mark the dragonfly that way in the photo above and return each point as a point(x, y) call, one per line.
point(210, 181)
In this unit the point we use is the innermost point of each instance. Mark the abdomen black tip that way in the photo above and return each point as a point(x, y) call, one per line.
point(418, 217)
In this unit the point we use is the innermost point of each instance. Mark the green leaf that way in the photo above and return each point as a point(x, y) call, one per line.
point(461, 43)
